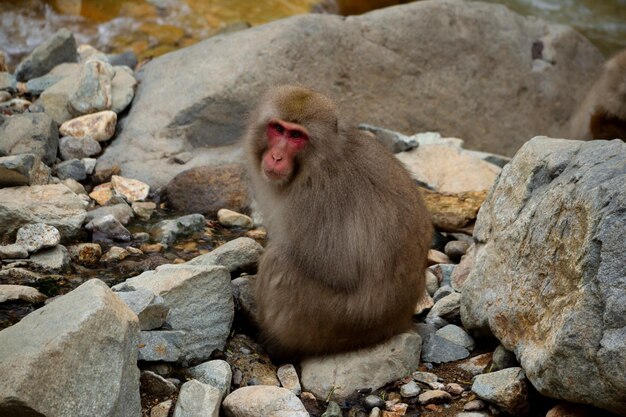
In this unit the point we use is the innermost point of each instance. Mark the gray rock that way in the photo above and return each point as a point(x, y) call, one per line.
point(37, 236)
point(394, 141)
point(13, 252)
point(19, 276)
point(93, 91)
point(448, 308)
point(200, 302)
point(435, 396)
point(376, 53)
point(427, 378)
point(167, 231)
point(114, 255)
point(156, 385)
point(372, 401)
point(442, 292)
point(508, 389)
point(457, 335)
point(122, 212)
point(7, 82)
point(21, 292)
point(288, 378)
point(89, 322)
point(216, 373)
point(78, 148)
point(263, 400)
point(437, 349)
point(90, 165)
point(474, 405)
point(149, 308)
point(432, 283)
point(236, 254)
point(60, 48)
point(74, 169)
point(332, 410)
point(182, 158)
point(550, 251)
point(410, 390)
point(54, 101)
point(51, 260)
point(198, 400)
point(443, 272)
point(161, 345)
point(127, 58)
point(477, 365)
point(123, 88)
point(243, 293)
point(472, 414)
point(23, 169)
point(107, 228)
point(372, 367)
point(34, 133)
point(143, 209)
point(38, 85)
point(455, 249)
point(502, 359)
point(75, 186)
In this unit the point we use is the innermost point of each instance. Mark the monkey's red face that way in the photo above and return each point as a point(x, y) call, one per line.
point(284, 140)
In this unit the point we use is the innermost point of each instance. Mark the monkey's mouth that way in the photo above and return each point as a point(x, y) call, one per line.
point(276, 177)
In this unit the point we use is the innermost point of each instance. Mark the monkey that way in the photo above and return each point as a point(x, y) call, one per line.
point(602, 113)
point(348, 233)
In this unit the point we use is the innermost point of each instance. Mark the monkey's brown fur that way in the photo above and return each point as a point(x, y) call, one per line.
point(348, 234)
point(602, 114)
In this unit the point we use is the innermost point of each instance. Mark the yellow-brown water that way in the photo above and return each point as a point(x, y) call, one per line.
point(153, 27)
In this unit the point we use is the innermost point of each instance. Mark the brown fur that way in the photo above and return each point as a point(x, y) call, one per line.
point(348, 235)
point(602, 114)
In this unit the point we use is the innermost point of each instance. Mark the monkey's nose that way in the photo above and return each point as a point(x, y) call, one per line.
point(277, 157)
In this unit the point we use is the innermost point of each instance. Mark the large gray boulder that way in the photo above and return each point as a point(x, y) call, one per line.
point(55, 205)
point(548, 278)
point(77, 356)
point(452, 66)
point(200, 304)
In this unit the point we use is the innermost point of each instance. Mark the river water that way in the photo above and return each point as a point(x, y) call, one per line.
point(153, 27)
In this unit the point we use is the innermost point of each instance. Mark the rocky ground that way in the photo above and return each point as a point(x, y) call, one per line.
point(135, 296)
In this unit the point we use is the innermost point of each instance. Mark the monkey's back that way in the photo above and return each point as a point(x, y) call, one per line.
point(352, 277)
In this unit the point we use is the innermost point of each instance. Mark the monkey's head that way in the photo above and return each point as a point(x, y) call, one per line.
point(293, 127)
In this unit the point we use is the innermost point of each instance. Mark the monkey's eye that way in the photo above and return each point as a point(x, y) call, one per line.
point(279, 128)
point(295, 134)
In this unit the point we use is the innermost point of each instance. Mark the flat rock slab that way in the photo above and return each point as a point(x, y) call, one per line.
point(44, 367)
point(262, 400)
point(417, 67)
point(372, 367)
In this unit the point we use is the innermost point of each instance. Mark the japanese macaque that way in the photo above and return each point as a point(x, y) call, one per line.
point(602, 114)
point(348, 231)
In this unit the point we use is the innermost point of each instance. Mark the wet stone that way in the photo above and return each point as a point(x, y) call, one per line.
point(143, 210)
point(502, 359)
point(114, 255)
point(51, 260)
point(78, 148)
point(37, 236)
point(74, 169)
point(456, 248)
point(123, 88)
point(167, 231)
point(372, 401)
point(332, 410)
point(108, 228)
point(38, 85)
point(99, 126)
point(122, 212)
point(229, 218)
